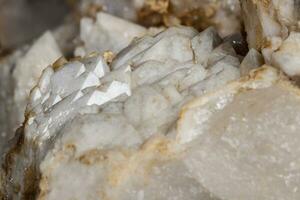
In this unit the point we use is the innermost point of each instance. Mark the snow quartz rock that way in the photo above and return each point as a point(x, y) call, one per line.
point(124, 105)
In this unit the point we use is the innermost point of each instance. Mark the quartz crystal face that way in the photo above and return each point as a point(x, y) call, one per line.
point(124, 102)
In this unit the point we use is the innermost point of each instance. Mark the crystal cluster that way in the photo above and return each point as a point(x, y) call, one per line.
point(273, 27)
point(166, 112)
point(139, 95)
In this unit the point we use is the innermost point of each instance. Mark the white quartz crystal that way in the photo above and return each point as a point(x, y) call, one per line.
point(29, 68)
point(107, 33)
point(252, 60)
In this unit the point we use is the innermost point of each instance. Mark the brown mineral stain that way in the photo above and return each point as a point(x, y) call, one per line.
point(199, 18)
point(92, 157)
point(162, 13)
point(160, 6)
point(76, 58)
point(71, 147)
point(93, 9)
point(266, 3)
point(103, 195)
point(44, 183)
point(259, 37)
point(148, 17)
point(258, 74)
point(108, 56)
point(31, 174)
point(16, 146)
point(59, 62)
point(31, 183)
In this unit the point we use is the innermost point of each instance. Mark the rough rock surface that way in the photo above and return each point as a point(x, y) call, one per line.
point(242, 143)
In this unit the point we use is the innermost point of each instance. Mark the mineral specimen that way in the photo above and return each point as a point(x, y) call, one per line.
point(167, 112)
point(159, 73)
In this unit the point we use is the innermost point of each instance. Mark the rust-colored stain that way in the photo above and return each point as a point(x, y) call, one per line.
point(162, 13)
